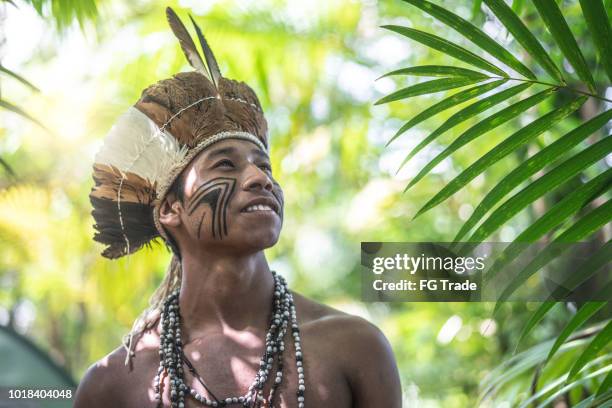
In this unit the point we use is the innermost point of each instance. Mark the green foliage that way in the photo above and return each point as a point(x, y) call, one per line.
point(314, 71)
point(65, 12)
point(581, 158)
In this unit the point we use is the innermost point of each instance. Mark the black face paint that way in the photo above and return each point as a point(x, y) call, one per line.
point(279, 197)
point(216, 193)
point(200, 225)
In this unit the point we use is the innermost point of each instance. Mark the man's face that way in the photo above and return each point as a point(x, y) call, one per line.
point(231, 202)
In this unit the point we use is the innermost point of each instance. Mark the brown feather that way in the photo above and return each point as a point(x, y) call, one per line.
point(187, 44)
point(134, 189)
point(211, 61)
point(137, 204)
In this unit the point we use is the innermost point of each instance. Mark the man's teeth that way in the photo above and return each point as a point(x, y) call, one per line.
point(258, 207)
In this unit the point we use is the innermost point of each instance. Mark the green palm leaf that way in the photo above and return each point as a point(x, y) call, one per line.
point(517, 5)
point(16, 109)
point(436, 85)
point(596, 261)
point(541, 186)
point(580, 229)
point(556, 24)
point(582, 315)
point(552, 390)
point(65, 12)
point(606, 385)
point(552, 218)
point(437, 71)
point(586, 311)
point(447, 47)
point(501, 150)
point(534, 320)
point(597, 400)
point(599, 26)
point(18, 78)
point(6, 167)
point(447, 103)
point(516, 366)
point(598, 343)
point(531, 166)
point(482, 127)
point(476, 8)
point(522, 362)
point(522, 34)
point(474, 34)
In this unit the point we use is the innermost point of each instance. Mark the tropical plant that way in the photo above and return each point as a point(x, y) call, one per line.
point(63, 14)
point(528, 77)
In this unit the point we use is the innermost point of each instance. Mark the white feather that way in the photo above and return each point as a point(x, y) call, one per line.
point(136, 144)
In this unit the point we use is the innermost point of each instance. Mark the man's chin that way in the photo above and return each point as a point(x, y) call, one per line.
point(246, 242)
point(259, 243)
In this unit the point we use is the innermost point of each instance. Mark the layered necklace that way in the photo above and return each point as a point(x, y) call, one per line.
point(171, 356)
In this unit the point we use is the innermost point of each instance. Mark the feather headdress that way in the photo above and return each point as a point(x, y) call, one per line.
point(151, 143)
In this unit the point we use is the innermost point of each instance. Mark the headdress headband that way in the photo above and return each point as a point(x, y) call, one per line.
point(151, 144)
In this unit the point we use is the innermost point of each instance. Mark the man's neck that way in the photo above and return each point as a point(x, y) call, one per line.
point(225, 293)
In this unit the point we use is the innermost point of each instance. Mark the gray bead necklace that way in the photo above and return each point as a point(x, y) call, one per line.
point(171, 357)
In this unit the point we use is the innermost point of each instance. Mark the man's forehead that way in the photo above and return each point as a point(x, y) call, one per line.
point(236, 147)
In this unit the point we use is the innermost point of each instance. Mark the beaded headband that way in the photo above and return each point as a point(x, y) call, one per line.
point(155, 140)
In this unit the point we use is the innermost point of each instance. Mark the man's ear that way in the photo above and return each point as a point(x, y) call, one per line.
point(170, 211)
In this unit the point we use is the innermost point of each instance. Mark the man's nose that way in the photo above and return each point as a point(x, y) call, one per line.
point(256, 179)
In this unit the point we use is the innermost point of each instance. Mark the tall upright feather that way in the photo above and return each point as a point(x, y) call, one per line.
point(187, 44)
point(211, 62)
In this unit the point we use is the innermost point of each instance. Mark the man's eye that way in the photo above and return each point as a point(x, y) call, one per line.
point(265, 167)
point(224, 163)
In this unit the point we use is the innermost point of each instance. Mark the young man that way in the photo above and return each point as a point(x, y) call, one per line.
point(189, 163)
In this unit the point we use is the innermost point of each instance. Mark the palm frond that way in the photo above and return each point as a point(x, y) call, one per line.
point(482, 127)
point(435, 85)
point(490, 62)
point(18, 77)
point(584, 313)
point(599, 25)
point(447, 47)
point(474, 34)
point(514, 141)
point(560, 174)
point(556, 24)
point(546, 156)
point(447, 103)
point(522, 34)
point(16, 109)
point(582, 228)
point(599, 342)
point(551, 219)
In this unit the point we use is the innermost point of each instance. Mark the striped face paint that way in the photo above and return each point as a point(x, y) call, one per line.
point(215, 193)
point(277, 192)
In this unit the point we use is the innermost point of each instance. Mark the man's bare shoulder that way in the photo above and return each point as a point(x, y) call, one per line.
point(104, 381)
point(356, 347)
point(354, 332)
point(101, 381)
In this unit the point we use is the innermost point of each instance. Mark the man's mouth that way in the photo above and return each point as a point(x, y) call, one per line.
point(262, 204)
point(259, 207)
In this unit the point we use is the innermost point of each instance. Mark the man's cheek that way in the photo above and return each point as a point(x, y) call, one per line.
point(200, 222)
point(214, 195)
point(277, 192)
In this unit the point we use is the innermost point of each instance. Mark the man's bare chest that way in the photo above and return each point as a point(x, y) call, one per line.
point(226, 368)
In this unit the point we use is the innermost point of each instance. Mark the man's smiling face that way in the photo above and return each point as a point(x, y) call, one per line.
point(230, 200)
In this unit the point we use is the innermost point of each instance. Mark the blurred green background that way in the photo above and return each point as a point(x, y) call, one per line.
point(314, 66)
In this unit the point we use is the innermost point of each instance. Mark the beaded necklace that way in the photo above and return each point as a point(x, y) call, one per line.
point(171, 357)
